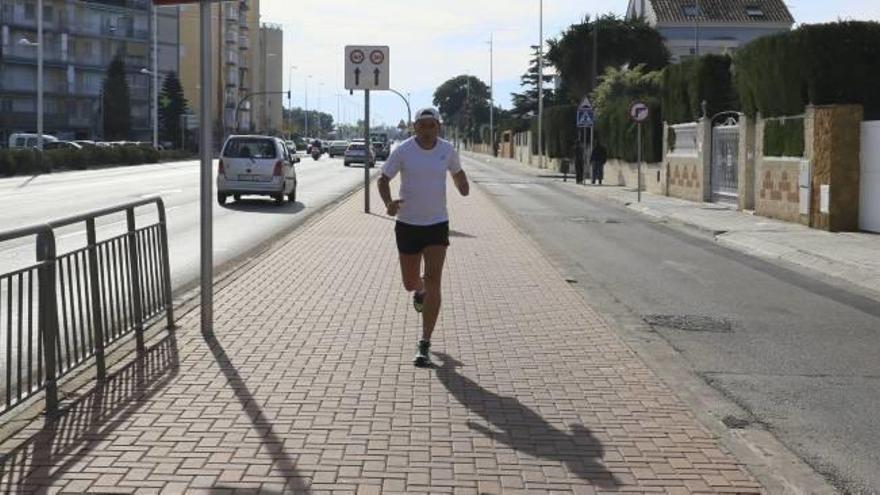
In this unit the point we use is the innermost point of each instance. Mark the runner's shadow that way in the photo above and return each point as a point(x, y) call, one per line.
point(455, 233)
point(64, 441)
point(519, 427)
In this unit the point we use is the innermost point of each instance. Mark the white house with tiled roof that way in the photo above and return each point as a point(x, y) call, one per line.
point(693, 27)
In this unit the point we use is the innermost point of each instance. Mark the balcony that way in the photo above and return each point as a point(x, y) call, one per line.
point(231, 36)
point(244, 43)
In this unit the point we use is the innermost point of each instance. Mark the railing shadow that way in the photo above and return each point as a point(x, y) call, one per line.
point(285, 464)
point(522, 429)
point(35, 464)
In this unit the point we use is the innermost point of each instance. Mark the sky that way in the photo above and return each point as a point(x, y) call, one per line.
point(433, 41)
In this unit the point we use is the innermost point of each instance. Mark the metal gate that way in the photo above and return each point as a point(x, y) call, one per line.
point(724, 177)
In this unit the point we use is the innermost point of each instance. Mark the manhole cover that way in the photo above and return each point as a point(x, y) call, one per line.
point(594, 220)
point(691, 323)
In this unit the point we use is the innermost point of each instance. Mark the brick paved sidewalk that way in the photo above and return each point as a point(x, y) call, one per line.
point(307, 385)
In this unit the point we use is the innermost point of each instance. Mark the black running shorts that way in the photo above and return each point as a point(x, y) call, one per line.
point(412, 239)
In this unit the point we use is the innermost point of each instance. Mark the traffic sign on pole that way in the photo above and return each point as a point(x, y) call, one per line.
point(639, 112)
point(367, 67)
point(585, 118)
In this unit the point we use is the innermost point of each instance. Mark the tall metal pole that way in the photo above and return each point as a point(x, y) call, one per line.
point(697, 30)
point(541, 88)
point(369, 151)
point(155, 78)
point(40, 78)
point(307, 105)
point(206, 152)
point(290, 102)
point(492, 92)
point(639, 171)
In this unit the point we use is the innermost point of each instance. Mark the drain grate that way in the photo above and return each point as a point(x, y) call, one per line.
point(690, 323)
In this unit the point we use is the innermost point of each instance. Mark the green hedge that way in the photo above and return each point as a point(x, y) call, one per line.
point(27, 162)
point(784, 138)
point(618, 132)
point(822, 64)
point(560, 131)
point(688, 84)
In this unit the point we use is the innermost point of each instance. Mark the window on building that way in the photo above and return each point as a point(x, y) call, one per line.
point(30, 11)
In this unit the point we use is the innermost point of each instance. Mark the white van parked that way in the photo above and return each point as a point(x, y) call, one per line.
point(23, 140)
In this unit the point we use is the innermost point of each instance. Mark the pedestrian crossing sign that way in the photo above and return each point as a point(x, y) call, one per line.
point(585, 118)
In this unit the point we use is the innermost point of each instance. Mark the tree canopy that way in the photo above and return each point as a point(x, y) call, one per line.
point(621, 43)
point(116, 102)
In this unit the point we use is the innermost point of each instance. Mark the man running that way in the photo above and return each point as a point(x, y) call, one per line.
point(422, 228)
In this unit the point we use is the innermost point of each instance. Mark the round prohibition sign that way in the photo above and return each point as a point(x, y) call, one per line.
point(377, 57)
point(356, 56)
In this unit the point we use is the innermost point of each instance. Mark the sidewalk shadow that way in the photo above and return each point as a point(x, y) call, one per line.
point(284, 463)
point(35, 464)
point(522, 429)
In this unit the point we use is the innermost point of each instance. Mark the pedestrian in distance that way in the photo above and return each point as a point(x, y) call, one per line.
point(422, 227)
point(597, 160)
point(578, 152)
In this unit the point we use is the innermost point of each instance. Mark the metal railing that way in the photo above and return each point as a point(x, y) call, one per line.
point(62, 311)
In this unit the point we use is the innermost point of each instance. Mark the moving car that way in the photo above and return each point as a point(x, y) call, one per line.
point(337, 148)
point(62, 145)
point(25, 140)
point(256, 165)
point(357, 153)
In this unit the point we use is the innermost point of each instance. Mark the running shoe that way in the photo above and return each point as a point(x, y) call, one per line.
point(423, 356)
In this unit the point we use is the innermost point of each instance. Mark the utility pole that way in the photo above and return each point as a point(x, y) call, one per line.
point(492, 92)
point(697, 30)
point(155, 78)
point(541, 87)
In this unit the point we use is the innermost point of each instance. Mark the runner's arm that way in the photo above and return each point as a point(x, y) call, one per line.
point(461, 183)
point(384, 189)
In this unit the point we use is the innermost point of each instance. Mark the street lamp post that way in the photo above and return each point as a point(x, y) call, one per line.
point(541, 86)
point(155, 106)
point(290, 98)
point(155, 77)
point(40, 77)
point(492, 92)
point(307, 106)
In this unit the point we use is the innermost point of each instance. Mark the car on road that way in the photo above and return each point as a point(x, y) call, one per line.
point(337, 148)
point(62, 145)
point(357, 153)
point(25, 140)
point(256, 165)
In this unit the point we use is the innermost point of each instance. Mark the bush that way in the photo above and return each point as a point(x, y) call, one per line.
point(820, 64)
point(688, 84)
point(7, 167)
point(613, 99)
point(784, 138)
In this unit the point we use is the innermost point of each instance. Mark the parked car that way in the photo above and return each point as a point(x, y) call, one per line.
point(256, 165)
point(62, 145)
point(337, 148)
point(26, 140)
point(357, 153)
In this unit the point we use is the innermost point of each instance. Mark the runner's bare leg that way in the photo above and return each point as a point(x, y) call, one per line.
point(411, 270)
point(435, 257)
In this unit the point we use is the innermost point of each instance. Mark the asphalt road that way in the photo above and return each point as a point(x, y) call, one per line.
point(238, 227)
point(798, 355)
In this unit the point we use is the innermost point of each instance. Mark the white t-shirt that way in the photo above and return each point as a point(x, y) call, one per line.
point(422, 180)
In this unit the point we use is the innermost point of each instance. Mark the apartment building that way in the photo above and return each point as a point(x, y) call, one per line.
point(81, 38)
point(249, 58)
